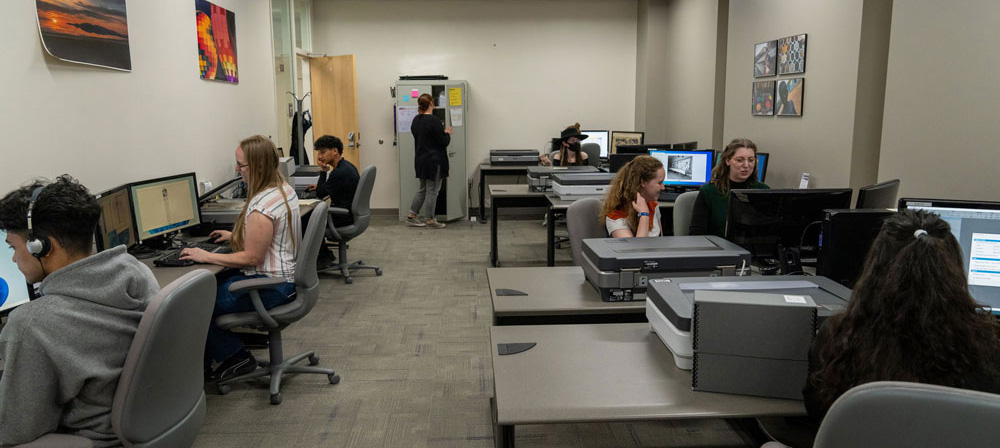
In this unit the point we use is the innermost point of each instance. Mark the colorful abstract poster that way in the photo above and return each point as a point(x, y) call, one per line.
point(763, 98)
point(792, 54)
point(92, 32)
point(789, 96)
point(764, 57)
point(216, 42)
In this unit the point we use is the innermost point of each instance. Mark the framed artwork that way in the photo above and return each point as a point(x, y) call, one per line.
point(792, 54)
point(789, 95)
point(216, 42)
point(763, 98)
point(625, 138)
point(90, 32)
point(764, 58)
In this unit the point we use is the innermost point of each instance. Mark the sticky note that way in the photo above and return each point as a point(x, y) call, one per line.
point(406, 99)
point(455, 96)
point(415, 93)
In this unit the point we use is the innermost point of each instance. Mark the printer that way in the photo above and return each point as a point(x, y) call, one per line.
point(621, 268)
point(540, 177)
point(513, 157)
point(670, 303)
point(578, 185)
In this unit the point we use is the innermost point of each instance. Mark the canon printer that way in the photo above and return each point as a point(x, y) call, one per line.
point(621, 268)
point(670, 303)
point(540, 177)
point(577, 185)
point(513, 157)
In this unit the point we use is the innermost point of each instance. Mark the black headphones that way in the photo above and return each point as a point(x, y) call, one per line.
point(37, 247)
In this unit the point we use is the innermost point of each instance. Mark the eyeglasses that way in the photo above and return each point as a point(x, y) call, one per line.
point(742, 160)
point(241, 165)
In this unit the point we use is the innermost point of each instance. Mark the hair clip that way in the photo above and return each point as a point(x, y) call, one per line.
point(918, 232)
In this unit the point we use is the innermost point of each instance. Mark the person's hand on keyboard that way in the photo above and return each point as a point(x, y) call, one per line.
point(194, 254)
point(218, 236)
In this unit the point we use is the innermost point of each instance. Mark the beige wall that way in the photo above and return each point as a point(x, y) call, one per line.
point(109, 127)
point(533, 68)
point(940, 134)
point(820, 141)
point(676, 72)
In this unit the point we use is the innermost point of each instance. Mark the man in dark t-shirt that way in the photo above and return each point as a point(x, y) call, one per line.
point(338, 180)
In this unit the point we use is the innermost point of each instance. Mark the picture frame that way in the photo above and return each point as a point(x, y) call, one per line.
point(792, 54)
point(762, 99)
point(765, 58)
point(788, 96)
point(625, 138)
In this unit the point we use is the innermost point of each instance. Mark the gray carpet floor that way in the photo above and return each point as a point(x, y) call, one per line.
point(412, 349)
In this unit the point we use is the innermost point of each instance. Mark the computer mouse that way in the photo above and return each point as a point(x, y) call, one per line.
point(213, 239)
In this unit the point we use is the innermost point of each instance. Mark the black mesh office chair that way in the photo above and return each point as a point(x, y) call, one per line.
point(361, 209)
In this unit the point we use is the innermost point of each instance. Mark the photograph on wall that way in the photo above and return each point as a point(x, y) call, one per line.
point(789, 96)
point(91, 32)
point(764, 58)
point(763, 98)
point(625, 138)
point(216, 42)
point(792, 54)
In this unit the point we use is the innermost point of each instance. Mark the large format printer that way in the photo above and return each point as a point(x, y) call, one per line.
point(621, 268)
point(578, 185)
point(513, 157)
point(540, 177)
point(670, 303)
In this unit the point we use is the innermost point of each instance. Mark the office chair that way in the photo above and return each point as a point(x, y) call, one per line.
point(361, 209)
point(278, 318)
point(593, 151)
point(890, 414)
point(582, 221)
point(160, 399)
point(683, 208)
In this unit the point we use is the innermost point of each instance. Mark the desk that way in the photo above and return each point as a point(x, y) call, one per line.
point(510, 196)
point(557, 295)
point(486, 169)
point(600, 373)
point(164, 276)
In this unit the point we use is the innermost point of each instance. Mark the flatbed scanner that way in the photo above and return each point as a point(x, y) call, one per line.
point(540, 177)
point(621, 268)
point(670, 303)
point(513, 157)
point(578, 185)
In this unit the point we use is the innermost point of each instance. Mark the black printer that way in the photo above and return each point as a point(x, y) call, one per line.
point(514, 157)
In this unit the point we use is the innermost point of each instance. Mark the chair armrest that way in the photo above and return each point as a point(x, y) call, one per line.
point(252, 286)
point(339, 211)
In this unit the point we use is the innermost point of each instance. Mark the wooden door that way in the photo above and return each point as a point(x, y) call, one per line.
point(334, 84)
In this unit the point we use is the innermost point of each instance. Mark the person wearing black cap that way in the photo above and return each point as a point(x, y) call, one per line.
point(566, 150)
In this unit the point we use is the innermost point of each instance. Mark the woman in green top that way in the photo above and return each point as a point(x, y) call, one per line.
point(737, 170)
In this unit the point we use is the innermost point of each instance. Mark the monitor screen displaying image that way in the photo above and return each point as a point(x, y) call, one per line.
point(165, 205)
point(598, 137)
point(13, 287)
point(685, 168)
point(115, 227)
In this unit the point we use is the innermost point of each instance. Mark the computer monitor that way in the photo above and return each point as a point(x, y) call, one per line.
point(286, 167)
point(846, 237)
point(116, 226)
point(600, 138)
point(164, 205)
point(686, 146)
point(976, 226)
point(617, 161)
point(685, 168)
point(774, 223)
point(14, 289)
point(218, 191)
point(762, 158)
point(642, 149)
point(881, 195)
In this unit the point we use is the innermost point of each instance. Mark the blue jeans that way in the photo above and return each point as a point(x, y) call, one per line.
point(222, 344)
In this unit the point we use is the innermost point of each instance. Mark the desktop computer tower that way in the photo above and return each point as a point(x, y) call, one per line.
point(451, 106)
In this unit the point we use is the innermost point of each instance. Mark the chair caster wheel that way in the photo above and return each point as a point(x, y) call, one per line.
point(378, 272)
point(276, 398)
point(224, 389)
point(313, 360)
point(334, 378)
point(348, 280)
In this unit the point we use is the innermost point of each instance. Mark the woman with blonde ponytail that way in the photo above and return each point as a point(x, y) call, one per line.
point(264, 243)
point(630, 209)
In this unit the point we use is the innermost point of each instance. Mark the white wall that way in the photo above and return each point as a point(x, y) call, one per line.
point(533, 68)
point(108, 127)
point(940, 133)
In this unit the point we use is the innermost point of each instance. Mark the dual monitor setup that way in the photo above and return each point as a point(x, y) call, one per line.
point(144, 215)
point(685, 169)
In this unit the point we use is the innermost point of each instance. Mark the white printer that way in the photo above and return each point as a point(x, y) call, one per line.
point(577, 185)
point(540, 177)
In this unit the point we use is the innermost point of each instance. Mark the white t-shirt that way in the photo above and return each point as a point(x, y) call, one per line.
point(622, 223)
point(280, 258)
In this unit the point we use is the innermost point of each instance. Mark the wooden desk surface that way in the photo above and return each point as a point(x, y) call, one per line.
point(561, 290)
point(605, 372)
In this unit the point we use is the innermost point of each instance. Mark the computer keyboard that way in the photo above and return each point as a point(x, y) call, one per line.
point(208, 247)
point(172, 259)
point(668, 196)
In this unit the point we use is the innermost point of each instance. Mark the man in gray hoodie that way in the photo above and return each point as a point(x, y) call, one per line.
point(63, 352)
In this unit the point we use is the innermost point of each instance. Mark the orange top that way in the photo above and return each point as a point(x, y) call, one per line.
point(621, 214)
